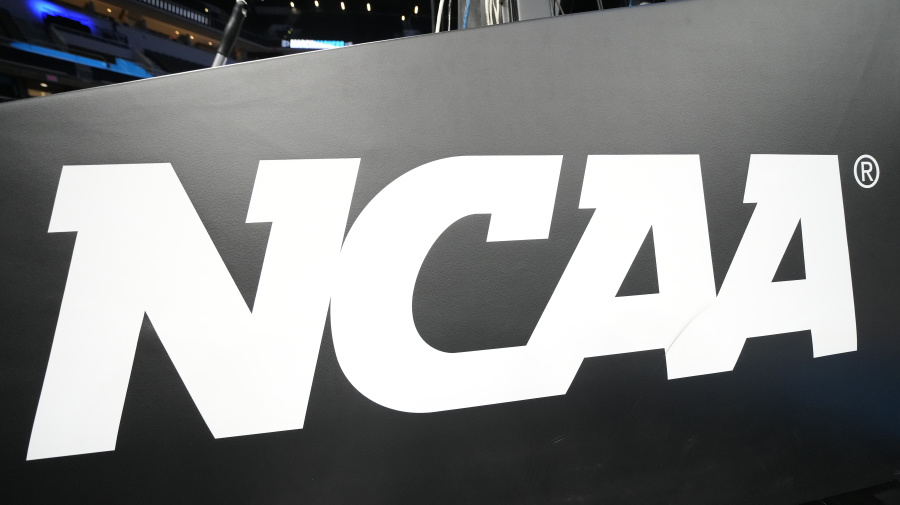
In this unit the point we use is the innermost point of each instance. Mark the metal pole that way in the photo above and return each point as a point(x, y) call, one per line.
point(433, 17)
point(232, 29)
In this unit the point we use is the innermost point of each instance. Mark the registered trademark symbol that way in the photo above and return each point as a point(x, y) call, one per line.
point(866, 171)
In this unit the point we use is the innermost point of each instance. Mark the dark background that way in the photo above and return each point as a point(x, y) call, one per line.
point(725, 79)
point(355, 23)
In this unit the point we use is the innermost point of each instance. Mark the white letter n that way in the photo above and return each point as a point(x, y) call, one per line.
point(141, 248)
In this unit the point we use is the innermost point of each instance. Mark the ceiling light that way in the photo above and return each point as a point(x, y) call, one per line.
point(342, 6)
point(317, 3)
point(402, 18)
point(369, 7)
point(416, 10)
point(192, 37)
point(43, 84)
point(108, 9)
point(177, 32)
point(292, 5)
point(210, 43)
point(206, 9)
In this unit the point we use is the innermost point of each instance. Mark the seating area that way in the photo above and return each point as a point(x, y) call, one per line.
point(8, 27)
point(171, 64)
point(71, 24)
point(62, 47)
point(16, 55)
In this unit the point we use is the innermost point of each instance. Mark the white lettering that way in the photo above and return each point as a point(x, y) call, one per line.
point(631, 194)
point(787, 190)
point(142, 248)
point(377, 344)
